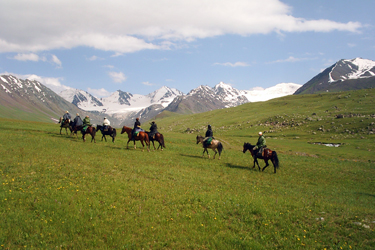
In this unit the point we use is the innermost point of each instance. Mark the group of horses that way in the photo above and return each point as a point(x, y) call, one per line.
point(143, 137)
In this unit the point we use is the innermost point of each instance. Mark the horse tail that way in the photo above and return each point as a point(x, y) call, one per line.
point(275, 159)
point(220, 147)
point(114, 132)
point(162, 140)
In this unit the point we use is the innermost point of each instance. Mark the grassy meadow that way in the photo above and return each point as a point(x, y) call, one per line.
point(59, 192)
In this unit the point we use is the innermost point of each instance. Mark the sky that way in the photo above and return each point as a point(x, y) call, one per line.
point(139, 46)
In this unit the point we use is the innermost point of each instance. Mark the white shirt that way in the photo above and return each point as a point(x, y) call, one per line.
point(106, 122)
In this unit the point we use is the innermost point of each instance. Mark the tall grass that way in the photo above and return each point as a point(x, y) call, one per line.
point(59, 192)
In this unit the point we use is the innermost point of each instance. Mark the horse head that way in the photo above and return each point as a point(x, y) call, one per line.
point(126, 129)
point(247, 146)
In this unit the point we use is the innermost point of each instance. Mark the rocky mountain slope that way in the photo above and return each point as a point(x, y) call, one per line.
point(344, 75)
point(31, 100)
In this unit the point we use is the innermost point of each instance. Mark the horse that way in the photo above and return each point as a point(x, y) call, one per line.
point(159, 138)
point(111, 132)
point(89, 130)
point(75, 129)
point(267, 154)
point(215, 144)
point(66, 124)
point(142, 136)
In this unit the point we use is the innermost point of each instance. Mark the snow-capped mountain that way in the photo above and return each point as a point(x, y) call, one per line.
point(34, 101)
point(344, 75)
point(80, 98)
point(223, 95)
point(124, 105)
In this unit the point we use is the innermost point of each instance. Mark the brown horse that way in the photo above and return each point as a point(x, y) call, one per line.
point(159, 138)
point(66, 124)
point(142, 136)
point(215, 144)
point(267, 154)
point(89, 130)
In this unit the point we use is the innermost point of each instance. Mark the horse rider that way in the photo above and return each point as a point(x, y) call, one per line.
point(153, 129)
point(261, 144)
point(137, 126)
point(86, 123)
point(77, 121)
point(106, 124)
point(66, 116)
point(209, 136)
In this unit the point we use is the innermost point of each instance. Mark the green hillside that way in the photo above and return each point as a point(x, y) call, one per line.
point(58, 192)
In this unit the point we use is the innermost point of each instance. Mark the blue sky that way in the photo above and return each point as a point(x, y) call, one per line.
point(140, 46)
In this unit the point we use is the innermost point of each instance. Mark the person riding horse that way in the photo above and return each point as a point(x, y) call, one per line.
point(209, 136)
point(136, 128)
point(77, 121)
point(153, 129)
point(66, 116)
point(261, 144)
point(86, 123)
point(106, 125)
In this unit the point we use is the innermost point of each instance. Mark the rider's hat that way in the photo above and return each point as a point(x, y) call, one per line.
point(67, 112)
point(77, 114)
point(260, 133)
point(105, 117)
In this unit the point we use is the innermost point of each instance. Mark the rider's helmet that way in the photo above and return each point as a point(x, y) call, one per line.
point(67, 112)
point(209, 126)
point(77, 114)
point(260, 133)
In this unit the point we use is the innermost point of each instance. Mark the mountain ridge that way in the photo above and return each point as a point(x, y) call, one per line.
point(345, 74)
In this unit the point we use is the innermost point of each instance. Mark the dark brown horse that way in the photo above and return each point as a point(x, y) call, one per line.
point(66, 124)
point(267, 154)
point(110, 131)
point(89, 130)
point(215, 144)
point(141, 136)
point(157, 137)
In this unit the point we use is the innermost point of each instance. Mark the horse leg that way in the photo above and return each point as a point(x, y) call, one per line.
point(127, 144)
point(60, 130)
point(205, 150)
point(215, 152)
point(266, 161)
point(256, 161)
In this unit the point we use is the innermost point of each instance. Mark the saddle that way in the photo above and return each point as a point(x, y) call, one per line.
point(260, 152)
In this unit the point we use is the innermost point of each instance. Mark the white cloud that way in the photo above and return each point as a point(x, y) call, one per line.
point(293, 59)
point(27, 57)
point(236, 64)
point(56, 61)
point(117, 76)
point(124, 26)
point(147, 84)
point(99, 92)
